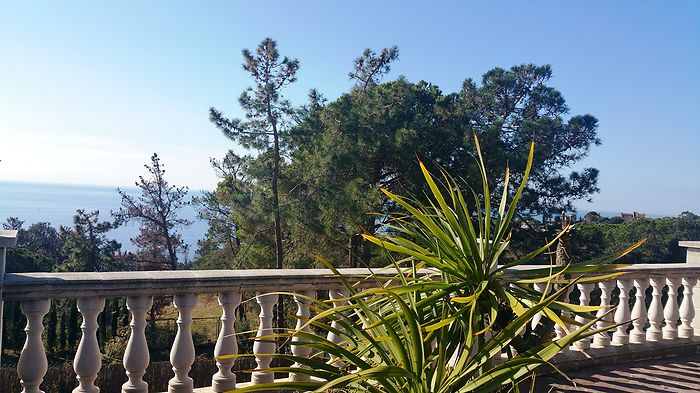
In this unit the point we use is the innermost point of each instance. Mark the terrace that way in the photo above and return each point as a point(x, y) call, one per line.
point(660, 328)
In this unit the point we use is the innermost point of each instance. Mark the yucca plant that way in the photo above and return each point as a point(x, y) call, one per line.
point(441, 323)
point(464, 245)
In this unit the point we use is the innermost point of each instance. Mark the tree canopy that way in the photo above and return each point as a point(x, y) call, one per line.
point(266, 124)
point(340, 153)
point(156, 209)
point(596, 239)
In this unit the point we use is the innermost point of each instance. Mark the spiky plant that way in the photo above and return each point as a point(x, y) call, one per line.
point(432, 328)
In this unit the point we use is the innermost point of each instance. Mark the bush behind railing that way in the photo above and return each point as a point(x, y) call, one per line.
point(111, 376)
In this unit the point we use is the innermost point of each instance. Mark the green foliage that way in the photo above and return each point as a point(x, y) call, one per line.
point(86, 247)
point(370, 67)
point(364, 141)
point(219, 247)
point(440, 328)
point(24, 259)
point(115, 347)
point(346, 150)
point(265, 129)
point(336, 156)
point(39, 247)
point(592, 240)
point(507, 110)
point(264, 106)
point(239, 211)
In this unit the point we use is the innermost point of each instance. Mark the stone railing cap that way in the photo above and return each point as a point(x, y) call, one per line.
point(21, 286)
point(8, 238)
point(689, 244)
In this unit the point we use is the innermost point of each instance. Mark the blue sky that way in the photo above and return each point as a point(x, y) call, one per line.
point(88, 91)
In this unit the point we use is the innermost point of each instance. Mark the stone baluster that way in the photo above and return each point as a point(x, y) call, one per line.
point(8, 238)
point(687, 310)
point(622, 314)
point(32, 364)
point(264, 345)
point(136, 355)
point(88, 359)
point(227, 344)
point(670, 330)
point(583, 300)
point(602, 339)
point(303, 315)
point(332, 336)
point(182, 352)
point(656, 311)
point(539, 287)
point(559, 331)
point(639, 311)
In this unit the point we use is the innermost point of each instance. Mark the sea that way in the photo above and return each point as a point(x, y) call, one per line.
point(57, 203)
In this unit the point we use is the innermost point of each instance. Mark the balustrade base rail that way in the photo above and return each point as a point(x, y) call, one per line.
point(575, 360)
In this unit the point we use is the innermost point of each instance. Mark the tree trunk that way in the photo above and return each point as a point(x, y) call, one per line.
point(62, 339)
point(278, 226)
point(353, 249)
point(563, 244)
point(73, 325)
point(51, 330)
point(169, 244)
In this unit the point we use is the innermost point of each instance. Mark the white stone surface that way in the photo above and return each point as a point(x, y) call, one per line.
point(8, 238)
point(34, 290)
point(136, 355)
point(32, 364)
point(88, 359)
point(182, 353)
point(264, 344)
point(692, 251)
point(226, 344)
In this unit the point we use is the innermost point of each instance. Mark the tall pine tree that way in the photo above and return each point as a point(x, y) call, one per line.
point(266, 121)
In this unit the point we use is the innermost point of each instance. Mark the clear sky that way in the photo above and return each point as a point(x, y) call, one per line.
point(89, 91)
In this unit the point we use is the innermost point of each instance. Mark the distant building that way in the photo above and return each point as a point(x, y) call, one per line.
point(633, 216)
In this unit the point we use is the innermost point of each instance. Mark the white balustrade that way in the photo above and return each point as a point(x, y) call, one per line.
point(539, 287)
point(303, 315)
point(227, 344)
point(671, 314)
point(182, 352)
point(332, 336)
point(622, 314)
point(32, 364)
point(602, 339)
point(88, 359)
point(264, 344)
point(668, 322)
point(560, 331)
point(583, 300)
point(639, 311)
point(136, 355)
point(655, 314)
point(687, 310)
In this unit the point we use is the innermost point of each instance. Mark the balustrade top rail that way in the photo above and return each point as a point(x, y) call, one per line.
point(25, 286)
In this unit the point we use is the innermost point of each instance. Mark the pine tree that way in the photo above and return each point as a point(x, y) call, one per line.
point(266, 121)
point(86, 246)
point(156, 209)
